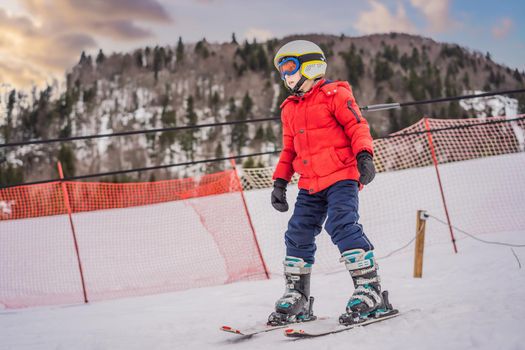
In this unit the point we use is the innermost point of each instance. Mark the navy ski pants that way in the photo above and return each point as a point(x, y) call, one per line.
point(340, 203)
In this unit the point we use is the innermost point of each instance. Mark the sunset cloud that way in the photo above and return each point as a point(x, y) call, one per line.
point(114, 18)
point(379, 19)
point(436, 13)
point(43, 43)
point(41, 39)
point(502, 28)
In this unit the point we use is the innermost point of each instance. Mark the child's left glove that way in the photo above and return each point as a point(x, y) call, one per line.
point(366, 167)
point(279, 195)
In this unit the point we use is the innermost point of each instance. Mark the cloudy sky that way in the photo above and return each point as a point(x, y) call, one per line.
point(41, 39)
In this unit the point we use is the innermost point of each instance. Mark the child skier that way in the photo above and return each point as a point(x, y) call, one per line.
point(327, 141)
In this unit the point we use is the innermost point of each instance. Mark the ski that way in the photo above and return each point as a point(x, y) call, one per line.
point(263, 327)
point(324, 328)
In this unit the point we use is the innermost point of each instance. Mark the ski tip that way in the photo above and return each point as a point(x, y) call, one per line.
point(230, 329)
point(290, 332)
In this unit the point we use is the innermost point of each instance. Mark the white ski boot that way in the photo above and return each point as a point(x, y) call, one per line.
point(367, 301)
point(296, 303)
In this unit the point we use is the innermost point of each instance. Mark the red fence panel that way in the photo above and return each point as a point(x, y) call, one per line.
point(133, 239)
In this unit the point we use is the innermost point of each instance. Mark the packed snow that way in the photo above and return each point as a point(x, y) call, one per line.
point(470, 300)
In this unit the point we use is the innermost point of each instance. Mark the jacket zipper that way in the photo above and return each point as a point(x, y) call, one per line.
point(349, 104)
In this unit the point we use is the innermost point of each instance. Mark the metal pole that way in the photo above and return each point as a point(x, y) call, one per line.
point(68, 207)
point(434, 159)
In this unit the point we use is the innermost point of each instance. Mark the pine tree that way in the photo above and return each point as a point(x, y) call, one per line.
point(517, 75)
point(83, 58)
point(159, 61)
point(179, 53)
point(431, 80)
point(66, 156)
point(232, 109)
point(216, 166)
point(415, 57)
point(414, 86)
point(354, 65)
point(215, 100)
point(169, 120)
point(405, 62)
point(262, 60)
point(382, 71)
point(259, 134)
point(219, 153)
point(391, 53)
point(100, 57)
point(201, 50)
point(466, 80)
point(7, 129)
point(239, 132)
point(10, 174)
point(247, 103)
point(392, 117)
point(138, 58)
point(270, 134)
point(188, 136)
point(248, 163)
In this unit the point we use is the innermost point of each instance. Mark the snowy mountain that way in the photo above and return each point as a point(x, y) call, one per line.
point(197, 83)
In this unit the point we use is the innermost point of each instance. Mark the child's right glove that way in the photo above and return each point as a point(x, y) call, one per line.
point(279, 195)
point(366, 167)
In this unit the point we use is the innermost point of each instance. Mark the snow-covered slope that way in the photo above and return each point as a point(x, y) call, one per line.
point(168, 247)
point(470, 300)
point(490, 106)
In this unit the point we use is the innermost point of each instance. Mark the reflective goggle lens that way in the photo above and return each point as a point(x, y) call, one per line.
point(289, 66)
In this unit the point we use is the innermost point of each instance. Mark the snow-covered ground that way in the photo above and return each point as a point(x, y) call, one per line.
point(470, 300)
point(473, 299)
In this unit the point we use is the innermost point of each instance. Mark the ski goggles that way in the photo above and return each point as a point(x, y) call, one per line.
point(289, 66)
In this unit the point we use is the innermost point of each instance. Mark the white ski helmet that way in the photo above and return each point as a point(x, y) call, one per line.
point(310, 57)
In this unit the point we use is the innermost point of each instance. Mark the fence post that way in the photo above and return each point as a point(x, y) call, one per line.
point(435, 160)
point(420, 243)
point(68, 207)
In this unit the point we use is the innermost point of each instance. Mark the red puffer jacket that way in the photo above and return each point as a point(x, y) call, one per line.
point(323, 131)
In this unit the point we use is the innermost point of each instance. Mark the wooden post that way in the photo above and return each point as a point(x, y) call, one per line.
point(420, 243)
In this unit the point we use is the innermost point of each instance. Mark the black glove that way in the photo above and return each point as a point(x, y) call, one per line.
point(365, 164)
point(279, 195)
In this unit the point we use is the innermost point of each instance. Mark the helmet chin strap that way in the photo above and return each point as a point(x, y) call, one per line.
point(295, 89)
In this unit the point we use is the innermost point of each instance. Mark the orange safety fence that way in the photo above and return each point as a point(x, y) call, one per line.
point(133, 239)
point(48, 199)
